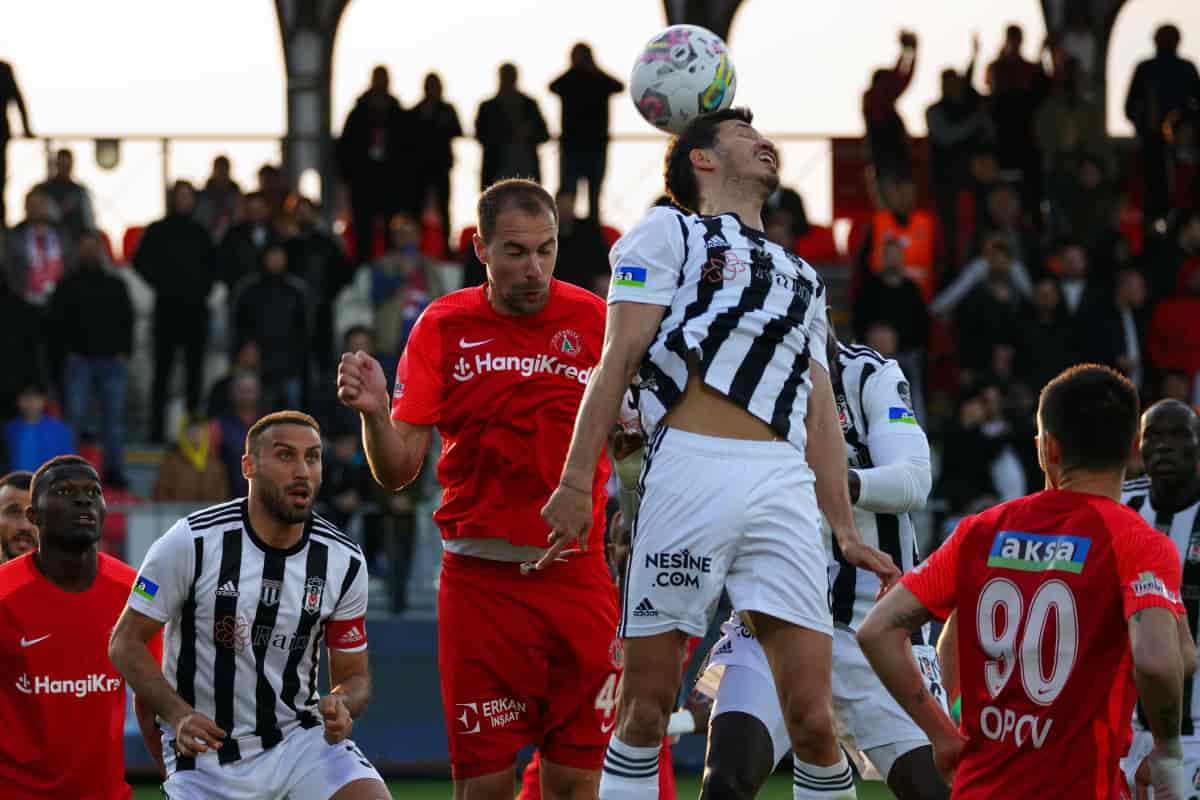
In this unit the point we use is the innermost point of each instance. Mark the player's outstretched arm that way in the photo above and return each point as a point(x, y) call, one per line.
point(630, 329)
point(129, 651)
point(885, 640)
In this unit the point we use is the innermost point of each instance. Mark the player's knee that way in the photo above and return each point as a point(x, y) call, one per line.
point(811, 727)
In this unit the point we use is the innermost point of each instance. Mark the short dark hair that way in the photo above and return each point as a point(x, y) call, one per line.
point(699, 134)
point(286, 417)
point(1092, 411)
point(527, 195)
point(40, 480)
point(18, 479)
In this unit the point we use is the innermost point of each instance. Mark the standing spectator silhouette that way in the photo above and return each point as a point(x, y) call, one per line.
point(886, 134)
point(38, 251)
point(316, 258)
point(177, 259)
point(510, 126)
point(217, 205)
point(1162, 88)
point(91, 321)
point(241, 249)
point(436, 126)
point(9, 93)
point(582, 251)
point(1117, 329)
point(1018, 88)
point(583, 146)
point(22, 331)
point(915, 229)
point(375, 161)
point(71, 197)
point(245, 407)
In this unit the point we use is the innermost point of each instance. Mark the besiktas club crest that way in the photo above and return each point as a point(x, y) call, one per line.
point(314, 590)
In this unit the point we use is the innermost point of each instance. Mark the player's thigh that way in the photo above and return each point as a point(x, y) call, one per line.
point(563, 782)
point(800, 660)
point(652, 666)
point(499, 785)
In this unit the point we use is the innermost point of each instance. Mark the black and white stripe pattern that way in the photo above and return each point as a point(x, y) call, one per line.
point(1183, 527)
point(630, 767)
point(808, 784)
point(244, 646)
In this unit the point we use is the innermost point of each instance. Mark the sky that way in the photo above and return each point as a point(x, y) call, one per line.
point(170, 67)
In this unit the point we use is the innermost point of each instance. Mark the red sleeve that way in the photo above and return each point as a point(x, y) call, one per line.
point(1148, 570)
point(935, 581)
point(417, 397)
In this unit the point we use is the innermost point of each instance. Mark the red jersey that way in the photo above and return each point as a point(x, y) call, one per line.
point(503, 392)
point(1044, 586)
point(62, 702)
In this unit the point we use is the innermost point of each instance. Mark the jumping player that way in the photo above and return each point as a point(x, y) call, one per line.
point(1060, 593)
point(889, 477)
point(526, 656)
point(724, 332)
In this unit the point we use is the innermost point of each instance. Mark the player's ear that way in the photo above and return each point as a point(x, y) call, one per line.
point(248, 466)
point(702, 159)
point(480, 247)
point(34, 516)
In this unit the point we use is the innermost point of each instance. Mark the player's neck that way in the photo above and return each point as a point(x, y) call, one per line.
point(272, 531)
point(70, 570)
point(1104, 484)
point(736, 197)
point(1174, 497)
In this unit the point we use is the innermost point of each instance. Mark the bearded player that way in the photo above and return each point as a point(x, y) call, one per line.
point(17, 534)
point(526, 656)
point(1070, 610)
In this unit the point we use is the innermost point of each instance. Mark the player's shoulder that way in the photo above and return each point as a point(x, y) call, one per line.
point(568, 294)
point(328, 534)
point(857, 356)
point(114, 569)
point(462, 301)
point(15, 575)
point(211, 520)
point(662, 223)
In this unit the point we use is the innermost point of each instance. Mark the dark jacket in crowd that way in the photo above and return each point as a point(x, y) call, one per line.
point(240, 251)
point(1049, 348)
point(434, 130)
point(375, 147)
point(982, 322)
point(317, 259)
point(21, 330)
point(91, 315)
point(274, 311)
point(582, 253)
point(1161, 85)
point(585, 96)
point(503, 155)
point(900, 306)
point(177, 258)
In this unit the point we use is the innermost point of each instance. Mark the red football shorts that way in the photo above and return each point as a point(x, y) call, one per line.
point(527, 659)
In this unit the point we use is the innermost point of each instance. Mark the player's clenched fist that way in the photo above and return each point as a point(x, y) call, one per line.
point(568, 512)
point(196, 734)
point(338, 721)
point(361, 384)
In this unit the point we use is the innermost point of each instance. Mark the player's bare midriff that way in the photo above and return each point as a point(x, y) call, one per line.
point(706, 411)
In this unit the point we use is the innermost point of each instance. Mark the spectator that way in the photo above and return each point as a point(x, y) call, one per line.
point(191, 471)
point(976, 273)
point(273, 186)
point(316, 257)
point(241, 249)
point(177, 259)
point(247, 359)
point(38, 251)
point(245, 407)
point(272, 309)
point(217, 205)
point(33, 437)
point(1049, 342)
point(779, 226)
point(334, 416)
point(389, 294)
point(883, 339)
point(1005, 216)
point(9, 93)
point(1166, 256)
point(1082, 293)
point(585, 90)
point(788, 199)
point(374, 158)
point(91, 321)
point(887, 137)
point(346, 482)
point(1173, 341)
point(915, 229)
point(436, 127)
point(582, 251)
point(24, 337)
point(510, 126)
point(1088, 206)
point(1116, 332)
point(1162, 87)
point(967, 453)
point(1177, 386)
point(958, 125)
point(1018, 88)
point(989, 323)
point(72, 199)
point(1070, 121)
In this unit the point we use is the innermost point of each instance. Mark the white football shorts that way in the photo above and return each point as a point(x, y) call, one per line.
point(724, 514)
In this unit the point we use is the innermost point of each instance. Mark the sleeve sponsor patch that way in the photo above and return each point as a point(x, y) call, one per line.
point(902, 415)
point(1149, 583)
point(630, 276)
point(145, 588)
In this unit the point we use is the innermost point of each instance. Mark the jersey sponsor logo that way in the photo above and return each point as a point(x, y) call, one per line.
point(314, 590)
point(31, 642)
point(1038, 552)
point(228, 589)
point(1001, 725)
point(901, 415)
point(232, 632)
point(722, 267)
point(526, 366)
point(492, 714)
point(468, 717)
point(680, 568)
point(463, 343)
point(1149, 583)
point(145, 588)
point(633, 277)
point(645, 609)
point(95, 683)
point(265, 635)
point(269, 596)
point(567, 341)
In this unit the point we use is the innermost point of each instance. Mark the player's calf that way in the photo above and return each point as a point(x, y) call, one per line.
point(740, 757)
point(914, 777)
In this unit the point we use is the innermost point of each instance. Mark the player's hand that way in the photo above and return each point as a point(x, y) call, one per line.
point(869, 558)
point(946, 753)
point(568, 512)
point(361, 385)
point(338, 721)
point(196, 734)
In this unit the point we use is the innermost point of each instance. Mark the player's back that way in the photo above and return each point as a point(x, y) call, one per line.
point(1044, 656)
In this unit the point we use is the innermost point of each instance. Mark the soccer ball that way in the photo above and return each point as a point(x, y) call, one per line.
point(683, 71)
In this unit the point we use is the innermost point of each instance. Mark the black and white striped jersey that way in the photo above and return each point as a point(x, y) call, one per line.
point(1184, 529)
point(890, 453)
point(751, 314)
point(244, 621)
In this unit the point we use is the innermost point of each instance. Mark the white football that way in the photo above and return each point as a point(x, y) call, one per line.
point(683, 71)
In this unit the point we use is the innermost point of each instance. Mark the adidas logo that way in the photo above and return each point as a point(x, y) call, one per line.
point(351, 636)
point(645, 609)
point(227, 589)
point(725, 649)
point(715, 242)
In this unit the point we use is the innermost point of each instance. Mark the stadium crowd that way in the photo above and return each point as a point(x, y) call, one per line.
point(1014, 241)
